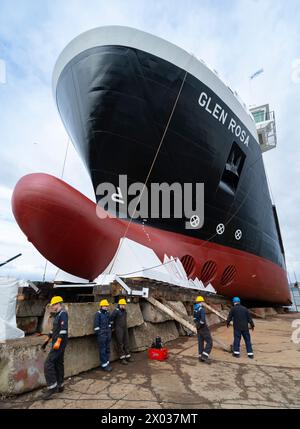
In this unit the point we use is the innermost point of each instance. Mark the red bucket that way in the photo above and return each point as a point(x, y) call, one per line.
point(158, 354)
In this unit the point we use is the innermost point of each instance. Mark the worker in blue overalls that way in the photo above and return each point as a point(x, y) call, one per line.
point(54, 364)
point(102, 328)
point(204, 336)
point(241, 321)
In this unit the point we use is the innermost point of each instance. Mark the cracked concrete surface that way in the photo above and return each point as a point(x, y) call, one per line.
point(270, 380)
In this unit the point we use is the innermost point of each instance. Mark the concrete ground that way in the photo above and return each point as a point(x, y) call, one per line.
point(271, 380)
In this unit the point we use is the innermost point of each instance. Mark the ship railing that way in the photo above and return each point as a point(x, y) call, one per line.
point(266, 130)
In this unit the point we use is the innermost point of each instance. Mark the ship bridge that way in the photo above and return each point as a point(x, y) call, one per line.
point(265, 126)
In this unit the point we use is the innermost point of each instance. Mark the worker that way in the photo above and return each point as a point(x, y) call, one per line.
point(203, 332)
point(54, 364)
point(102, 328)
point(119, 323)
point(241, 321)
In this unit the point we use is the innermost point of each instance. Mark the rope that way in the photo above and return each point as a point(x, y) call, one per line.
point(45, 269)
point(64, 164)
point(61, 176)
point(270, 189)
point(213, 235)
point(151, 167)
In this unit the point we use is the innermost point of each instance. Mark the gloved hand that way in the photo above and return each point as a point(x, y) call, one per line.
point(57, 344)
point(44, 345)
point(252, 327)
point(228, 324)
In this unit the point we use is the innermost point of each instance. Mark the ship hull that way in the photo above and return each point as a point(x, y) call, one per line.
point(118, 122)
point(135, 105)
point(64, 226)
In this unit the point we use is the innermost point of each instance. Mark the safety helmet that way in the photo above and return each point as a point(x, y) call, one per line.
point(122, 301)
point(236, 299)
point(199, 298)
point(56, 300)
point(104, 303)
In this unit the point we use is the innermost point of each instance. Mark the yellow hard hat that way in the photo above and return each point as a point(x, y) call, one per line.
point(56, 300)
point(104, 303)
point(122, 301)
point(199, 298)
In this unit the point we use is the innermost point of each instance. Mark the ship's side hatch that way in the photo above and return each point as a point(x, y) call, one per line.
point(232, 171)
point(278, 229)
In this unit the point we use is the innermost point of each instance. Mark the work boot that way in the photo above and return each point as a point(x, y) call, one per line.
point(107, 368)
point(123, 362)
point(206, 360)
point(250, 356)
point(235, 355)
point(130, 359)
point(49, 392)
point(60, 389)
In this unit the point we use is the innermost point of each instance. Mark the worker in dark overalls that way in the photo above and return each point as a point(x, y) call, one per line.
point(54, 364)
point(102, 328)
point(241, 321)
point(204, 336)
point(119, 323)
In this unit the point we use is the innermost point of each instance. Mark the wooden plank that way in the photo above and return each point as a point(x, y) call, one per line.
point(180, 319)
point(184, 316)
point(214, 311)
point(172, 314)
point(258, 316)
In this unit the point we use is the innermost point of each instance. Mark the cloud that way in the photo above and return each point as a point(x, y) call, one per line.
point(234, 37)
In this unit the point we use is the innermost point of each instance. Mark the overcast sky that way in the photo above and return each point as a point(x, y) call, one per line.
point(234, 37)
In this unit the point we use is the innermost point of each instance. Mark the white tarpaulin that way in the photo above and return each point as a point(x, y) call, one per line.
point(210, 288)
point(63, 276)
point(133, 259)
point(8, 325)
